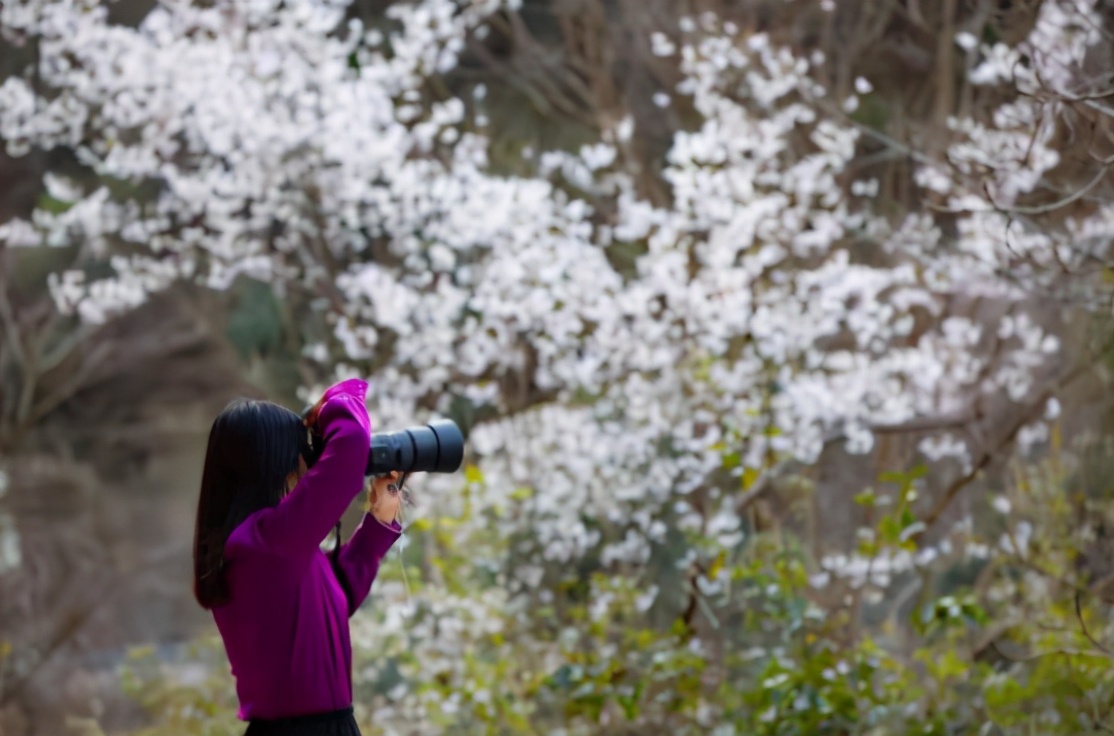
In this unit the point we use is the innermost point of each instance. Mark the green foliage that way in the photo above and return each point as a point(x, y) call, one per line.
point(873, 112)
point(255, 322)
point(895, 530)
point(52, 205)
point(195, 698)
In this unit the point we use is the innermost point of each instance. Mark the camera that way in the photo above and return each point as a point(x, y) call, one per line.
point(438, 447)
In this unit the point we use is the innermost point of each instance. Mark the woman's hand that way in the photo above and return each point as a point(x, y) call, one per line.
point(310, 417)
point(383, 502)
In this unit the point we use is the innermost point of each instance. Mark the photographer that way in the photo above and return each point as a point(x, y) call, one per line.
point(282, 604)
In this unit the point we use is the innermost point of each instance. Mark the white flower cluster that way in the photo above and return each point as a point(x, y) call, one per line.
point(411, 643)
point(995, 162)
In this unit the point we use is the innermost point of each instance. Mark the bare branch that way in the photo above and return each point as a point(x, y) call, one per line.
point(989, 453)
point(11, 327)
point(925, 424)
point(1045, 208)
point(1083, 626)
point(876, 134)
point(1064, 651)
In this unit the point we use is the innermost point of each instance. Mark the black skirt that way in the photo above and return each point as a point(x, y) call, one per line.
point(337, 723)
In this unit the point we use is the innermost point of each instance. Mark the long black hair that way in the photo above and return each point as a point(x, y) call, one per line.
point(253, 448)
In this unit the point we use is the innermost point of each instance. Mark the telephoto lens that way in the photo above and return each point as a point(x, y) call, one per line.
point(437, 447)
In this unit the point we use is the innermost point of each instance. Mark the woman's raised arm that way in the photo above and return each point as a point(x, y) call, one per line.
point(302, 519)
point(359, 559)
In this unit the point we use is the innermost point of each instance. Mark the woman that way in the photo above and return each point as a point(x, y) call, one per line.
point(280, 603)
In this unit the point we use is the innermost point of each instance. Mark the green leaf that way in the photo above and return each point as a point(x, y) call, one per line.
point(54, 206)
point(473, 474)
point(865, 498)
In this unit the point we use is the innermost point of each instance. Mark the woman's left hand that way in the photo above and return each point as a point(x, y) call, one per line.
point(384, 503)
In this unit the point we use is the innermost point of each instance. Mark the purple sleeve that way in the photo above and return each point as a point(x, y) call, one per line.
point(360, 557)
point(302, 519)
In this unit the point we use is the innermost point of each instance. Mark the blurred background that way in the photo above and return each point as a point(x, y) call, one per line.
point(781, 332)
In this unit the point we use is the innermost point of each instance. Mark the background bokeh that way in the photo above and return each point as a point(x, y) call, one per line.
point(781, 331)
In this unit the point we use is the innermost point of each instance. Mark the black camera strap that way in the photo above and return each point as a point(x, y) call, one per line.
point(339, 572)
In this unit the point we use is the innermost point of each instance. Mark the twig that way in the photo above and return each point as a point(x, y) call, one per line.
point(1045, 208)
point(64, 348)
point(925, 424)
point(990, 453)
point(876, 134)
point(11, 327)
point(1064, 651)
point(762, 484)
point(1083, 626)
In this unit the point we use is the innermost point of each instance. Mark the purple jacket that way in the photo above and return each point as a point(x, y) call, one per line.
point(285, 627)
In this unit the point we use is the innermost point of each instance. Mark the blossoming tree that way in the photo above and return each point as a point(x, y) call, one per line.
point(634, 374)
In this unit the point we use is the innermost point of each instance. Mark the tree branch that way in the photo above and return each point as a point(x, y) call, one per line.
point(1046, 208)
point(1027, 416)
point(1083, 626)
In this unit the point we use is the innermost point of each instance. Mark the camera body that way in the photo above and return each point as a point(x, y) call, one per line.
point(438, 447)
